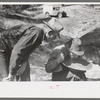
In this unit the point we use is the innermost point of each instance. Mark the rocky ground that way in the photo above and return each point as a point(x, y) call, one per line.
point(79, 19)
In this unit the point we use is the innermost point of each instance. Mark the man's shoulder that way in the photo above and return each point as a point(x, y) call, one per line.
point(29, 26)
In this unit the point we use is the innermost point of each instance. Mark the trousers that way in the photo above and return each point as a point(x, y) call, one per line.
point(4, 69)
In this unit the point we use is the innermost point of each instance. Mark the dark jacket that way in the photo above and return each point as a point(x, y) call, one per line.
point(18, 43)
point(53, 65)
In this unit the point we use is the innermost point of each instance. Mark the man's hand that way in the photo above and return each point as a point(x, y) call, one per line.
point(9, 78)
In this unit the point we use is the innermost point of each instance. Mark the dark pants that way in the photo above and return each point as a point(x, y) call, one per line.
point(62, 75)
point(25, 76)
point(3, 66)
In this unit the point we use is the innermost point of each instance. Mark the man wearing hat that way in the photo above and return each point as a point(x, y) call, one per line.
point(18, 43)
point(67, 58)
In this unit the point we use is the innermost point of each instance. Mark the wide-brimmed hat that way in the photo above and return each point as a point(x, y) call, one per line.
point(54, 25)
point(75, 47)
point(78, 64)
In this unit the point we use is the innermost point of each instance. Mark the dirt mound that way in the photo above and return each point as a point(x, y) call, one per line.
point(79, 19)
point(91, 36)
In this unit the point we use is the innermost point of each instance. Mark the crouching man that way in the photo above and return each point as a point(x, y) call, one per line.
point(66, 62)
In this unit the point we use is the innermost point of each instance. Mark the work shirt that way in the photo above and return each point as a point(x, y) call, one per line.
point(18, 43)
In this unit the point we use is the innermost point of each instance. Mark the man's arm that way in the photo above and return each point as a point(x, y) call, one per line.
point(56, 58)
point(24, 47)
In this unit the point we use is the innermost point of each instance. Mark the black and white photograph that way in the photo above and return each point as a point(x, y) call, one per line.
point(49, 42)
point(50, 49)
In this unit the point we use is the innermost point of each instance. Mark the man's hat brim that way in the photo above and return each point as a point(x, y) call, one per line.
point(77, 64)
point(78, 67)
point(79, 53)
point(55, 31)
